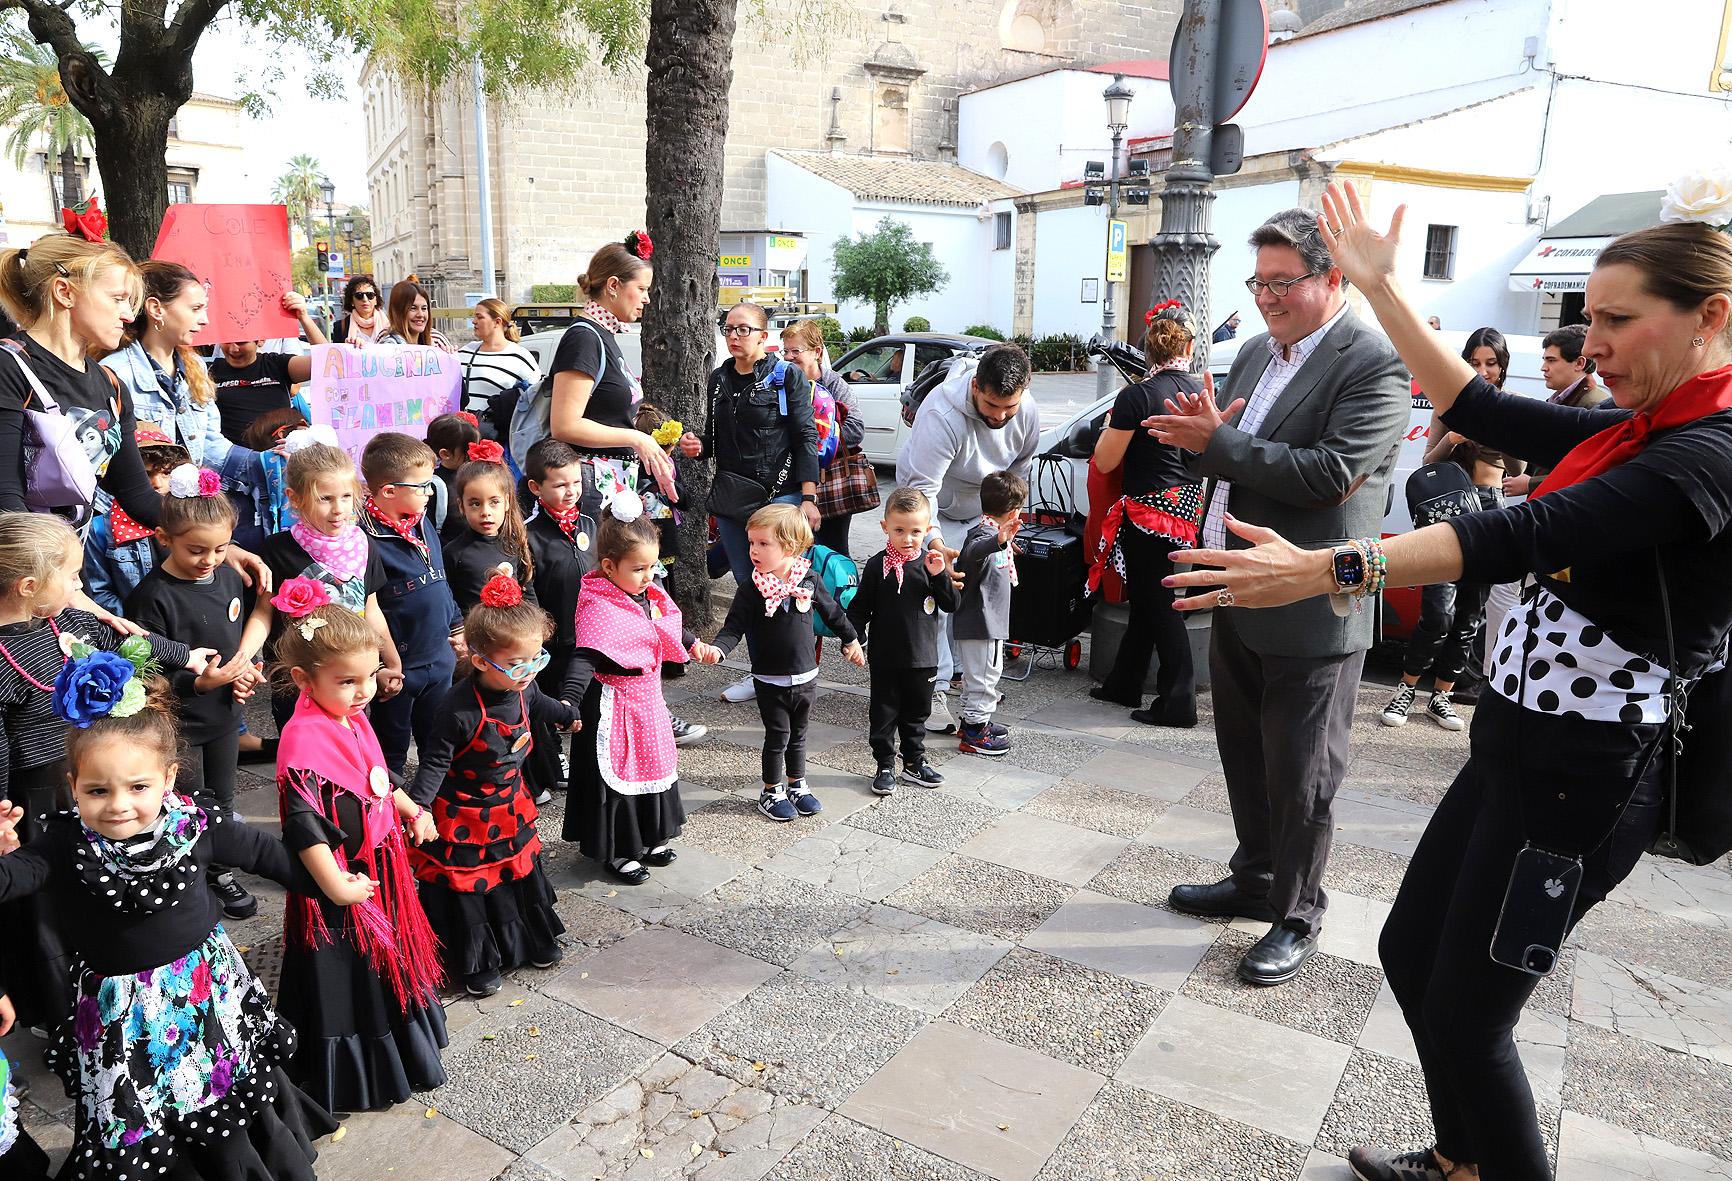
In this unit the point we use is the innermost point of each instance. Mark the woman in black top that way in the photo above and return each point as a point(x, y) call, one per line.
point(595, 396)
point(1157, 514)
point(1565, 744)
point(363, 321)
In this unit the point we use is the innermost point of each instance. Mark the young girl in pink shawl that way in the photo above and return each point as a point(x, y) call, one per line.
point(359, 985)
point(624, 806)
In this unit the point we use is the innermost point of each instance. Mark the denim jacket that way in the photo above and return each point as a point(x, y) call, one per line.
point(112, 571)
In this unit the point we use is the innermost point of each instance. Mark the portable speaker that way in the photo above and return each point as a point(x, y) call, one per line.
point(1049, 606)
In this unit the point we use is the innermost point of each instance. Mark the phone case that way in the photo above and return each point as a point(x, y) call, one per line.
point(1536, 911)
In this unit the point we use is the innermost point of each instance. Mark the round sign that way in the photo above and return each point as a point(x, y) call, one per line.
point(929, 606)
point(1240, 49)
point(234, 610)
point(583, 541)
point(379, 782)
point(802, 604)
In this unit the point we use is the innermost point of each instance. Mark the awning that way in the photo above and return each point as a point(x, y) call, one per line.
point(1558, 264)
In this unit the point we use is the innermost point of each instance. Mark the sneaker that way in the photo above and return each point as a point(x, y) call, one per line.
point(1440, 710)
point(686, 732)
point(549, 960)
point(884, 782)
point(1380, 1164)
point(939, 720)
point(1395, 713)
point(741, 690)
point(483, 986)
point(776, 805)
point(543, 798)
point(979, 740)
point(805, 803)
point(922, 773)
point(997, 728)
point(237, 903)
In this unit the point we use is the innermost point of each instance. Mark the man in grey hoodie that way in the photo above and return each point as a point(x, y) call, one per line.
point(979, 421)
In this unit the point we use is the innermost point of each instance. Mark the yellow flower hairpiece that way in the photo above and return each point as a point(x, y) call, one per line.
point(668, 433)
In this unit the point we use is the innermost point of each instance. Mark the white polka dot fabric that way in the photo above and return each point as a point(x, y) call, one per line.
point(1574, 669)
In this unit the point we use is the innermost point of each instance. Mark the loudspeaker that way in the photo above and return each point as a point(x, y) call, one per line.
point(1049, 606)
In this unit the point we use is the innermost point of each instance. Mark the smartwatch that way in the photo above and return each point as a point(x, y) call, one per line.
point(809, 498)
point(1347, 563)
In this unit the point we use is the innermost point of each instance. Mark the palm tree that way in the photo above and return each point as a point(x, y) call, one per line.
point(33, 103)
point(298, 188)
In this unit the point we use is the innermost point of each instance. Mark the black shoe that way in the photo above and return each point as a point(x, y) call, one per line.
point(1159, 715)
point(636, 875)
point(673, 670)
point(1277, 957)
point(548, 960)
point(922, 774)
point(267, 752)
point(483, 986)
point(1099, 693)
point(237, 903)
point(1219, 900)
point(664, 857)
point(1381, 1164)
point(884, 782)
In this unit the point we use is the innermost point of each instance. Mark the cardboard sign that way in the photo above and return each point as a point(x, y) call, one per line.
point(392, 387)
point(241, 255)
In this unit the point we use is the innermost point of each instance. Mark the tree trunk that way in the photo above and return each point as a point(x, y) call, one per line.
point(690, 60)
point(131, 153)
point(881, 321)
point(71, 186)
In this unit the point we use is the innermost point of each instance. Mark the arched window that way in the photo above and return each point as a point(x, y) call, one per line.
point(997, 161)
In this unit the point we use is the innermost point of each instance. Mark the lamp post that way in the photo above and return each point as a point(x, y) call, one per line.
point(329, 192)
point(1103, 185)
point(349, 242)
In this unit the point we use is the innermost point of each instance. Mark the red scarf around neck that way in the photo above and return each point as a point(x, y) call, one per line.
point(1704, 394)
point(408, 528)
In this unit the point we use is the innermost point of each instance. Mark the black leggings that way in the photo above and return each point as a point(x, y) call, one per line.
point(833, 533)
point(1153, 628)
point(1573, 776)
point(901, 702)
point(208, 771)
point(1450, 615)
point(786, 710)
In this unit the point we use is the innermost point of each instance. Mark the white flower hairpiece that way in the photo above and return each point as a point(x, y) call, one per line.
point(308, 626)
point(1704, 197)
point(183, 481)
point(307, 436)
point(623, 504)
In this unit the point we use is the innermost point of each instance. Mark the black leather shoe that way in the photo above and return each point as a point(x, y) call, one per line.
point(1160, 713)
point(1277, 957)
point(665, 857)
point(637, 875)
point(1219, 900)
point(1099, 693)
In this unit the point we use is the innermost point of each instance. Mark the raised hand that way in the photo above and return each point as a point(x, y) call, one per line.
point(1365, 256)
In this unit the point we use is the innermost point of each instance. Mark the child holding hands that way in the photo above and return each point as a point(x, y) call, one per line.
point(773, 611)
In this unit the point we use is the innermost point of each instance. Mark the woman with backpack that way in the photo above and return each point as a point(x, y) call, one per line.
point(846, 482)
point(761, 431)
point(497, 370)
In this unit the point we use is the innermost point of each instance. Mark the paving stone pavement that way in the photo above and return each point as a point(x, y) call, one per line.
point(983, 982)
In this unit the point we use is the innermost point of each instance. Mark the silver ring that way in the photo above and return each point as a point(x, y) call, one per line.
point(1224, 598)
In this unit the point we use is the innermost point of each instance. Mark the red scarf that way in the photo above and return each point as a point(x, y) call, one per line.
point(894, 560)
point(775, 589)
point(1699, 397)
point(567, 520)
point(407, 528)
point(125, 528)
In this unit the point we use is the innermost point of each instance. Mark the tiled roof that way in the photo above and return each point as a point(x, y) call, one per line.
point(888, 178)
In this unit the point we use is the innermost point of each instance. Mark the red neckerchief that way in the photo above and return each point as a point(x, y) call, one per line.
point(602, 316)
point(775, 589)
point(1699, 397)
point(407, 528)
point(125, 528)
point(986, 519)
point(567, 520)
point(894, 560)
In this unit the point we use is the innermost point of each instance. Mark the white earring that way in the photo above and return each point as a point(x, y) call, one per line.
point(1697, 341)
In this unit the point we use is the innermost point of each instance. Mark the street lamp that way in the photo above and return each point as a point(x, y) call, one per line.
point(349, 241)
point(329, 192)
point(1101, 186)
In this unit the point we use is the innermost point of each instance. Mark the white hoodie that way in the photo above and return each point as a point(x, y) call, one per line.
point(952, 449)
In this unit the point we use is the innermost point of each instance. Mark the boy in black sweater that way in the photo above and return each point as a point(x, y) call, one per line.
point(896, 608)
point(562, 547)
point(773, 611)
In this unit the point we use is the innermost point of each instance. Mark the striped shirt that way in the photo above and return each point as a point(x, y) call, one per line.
point(487, 374)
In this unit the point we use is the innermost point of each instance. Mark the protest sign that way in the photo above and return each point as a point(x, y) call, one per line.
point(241, 255)
point(393, 387)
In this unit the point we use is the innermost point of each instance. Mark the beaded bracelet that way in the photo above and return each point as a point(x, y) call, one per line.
point(1376, 565)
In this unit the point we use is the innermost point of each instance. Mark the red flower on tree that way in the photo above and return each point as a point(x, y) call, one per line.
point(501, 591)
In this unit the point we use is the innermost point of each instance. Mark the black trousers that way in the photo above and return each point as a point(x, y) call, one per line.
point(1561, 783)
point(1281, 724)
point(833, 533)
point(415, 712)
point(208, 768)
point(1450, 615)
point(1154, 629)
point(786, 710)
point(901, 703)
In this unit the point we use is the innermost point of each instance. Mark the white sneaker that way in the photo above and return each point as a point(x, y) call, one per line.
point(741, 690)
point(939, 720)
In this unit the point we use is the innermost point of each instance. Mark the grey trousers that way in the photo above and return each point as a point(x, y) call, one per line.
point(982, 663)
point(1282, 725)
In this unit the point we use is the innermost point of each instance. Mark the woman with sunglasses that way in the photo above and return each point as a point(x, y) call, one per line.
point(363, 320)
point(481, 880)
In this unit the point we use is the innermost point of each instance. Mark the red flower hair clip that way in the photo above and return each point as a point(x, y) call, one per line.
point(638, 242)
point(469, 418)
point(1149, 316)
point(86, 220)
point(486, 451)
point(501, 591)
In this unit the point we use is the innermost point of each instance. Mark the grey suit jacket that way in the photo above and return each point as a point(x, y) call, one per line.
point(1317, 472)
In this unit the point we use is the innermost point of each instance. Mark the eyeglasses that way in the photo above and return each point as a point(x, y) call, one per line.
point(523, 669)
point(1276, 287)
point(741, 329)
point(366, 295)
point(425, 487)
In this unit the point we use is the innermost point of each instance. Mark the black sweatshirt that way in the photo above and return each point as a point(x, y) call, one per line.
point(1676, 494)
point(783, 644)
point(472, 560)
point(560, 564)
point(459, 718)
point(901, 627)
point(209, 614)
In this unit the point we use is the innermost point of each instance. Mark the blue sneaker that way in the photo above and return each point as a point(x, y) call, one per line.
point(776, 805)
point(979, 739)
point(805, 803)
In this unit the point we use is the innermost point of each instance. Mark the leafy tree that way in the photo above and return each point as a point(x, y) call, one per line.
point(34, 103)
point(298, 188)
point(885, 268)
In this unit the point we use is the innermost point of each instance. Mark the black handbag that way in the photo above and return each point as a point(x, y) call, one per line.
point(735, 496)
point(1697, 826)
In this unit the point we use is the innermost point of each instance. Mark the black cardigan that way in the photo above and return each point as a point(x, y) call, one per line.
point(783, 644)
point(1675, 495)
point(899, 631)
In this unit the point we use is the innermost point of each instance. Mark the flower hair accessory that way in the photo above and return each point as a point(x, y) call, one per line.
point(468, 418)
point(188, 481)
point(501, 590)
point(638, 242)
point(94, 685)
point(1704, 197)
point(668, 433)
point(86, 220)
point(307, 627)
point(486, 451)
point(1157, 312)
point(298, 597)
point(624, 505)
point(309, 436)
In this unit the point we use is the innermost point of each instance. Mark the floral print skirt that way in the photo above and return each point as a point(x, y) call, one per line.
point(183, 1060)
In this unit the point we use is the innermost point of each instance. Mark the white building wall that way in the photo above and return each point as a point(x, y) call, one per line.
point(1047, 127)
point(1236, 213)
point(807, 204)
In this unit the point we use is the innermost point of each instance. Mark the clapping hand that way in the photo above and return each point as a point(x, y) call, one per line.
point(1191, 421)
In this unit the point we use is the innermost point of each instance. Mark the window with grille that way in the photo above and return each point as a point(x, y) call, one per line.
point(1001, 231)
point(1440, 252)
point(179, 192)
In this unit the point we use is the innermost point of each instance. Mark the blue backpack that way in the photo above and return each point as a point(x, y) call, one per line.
point(839, 576)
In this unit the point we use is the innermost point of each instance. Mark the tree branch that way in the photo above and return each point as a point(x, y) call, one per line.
point(190, 22)
point(86, 82)
point(49, 25)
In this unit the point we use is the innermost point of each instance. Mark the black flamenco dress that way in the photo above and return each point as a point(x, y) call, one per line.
point(481, 881)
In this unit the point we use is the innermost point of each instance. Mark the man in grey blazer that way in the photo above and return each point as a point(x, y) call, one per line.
point(1314, 416)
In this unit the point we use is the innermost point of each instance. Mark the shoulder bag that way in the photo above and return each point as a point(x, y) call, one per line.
point(57, 469)
point(531, 419)
point(1697, 823)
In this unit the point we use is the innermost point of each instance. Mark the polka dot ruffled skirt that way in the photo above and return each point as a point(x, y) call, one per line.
point(1574, 669)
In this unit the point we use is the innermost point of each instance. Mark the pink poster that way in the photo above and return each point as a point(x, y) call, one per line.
point(392, 387)
point(241, 255)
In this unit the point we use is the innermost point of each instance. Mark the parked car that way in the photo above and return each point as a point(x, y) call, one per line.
point(545, 343)
point(877, 372)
